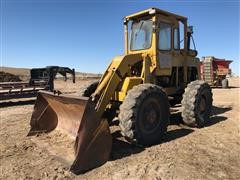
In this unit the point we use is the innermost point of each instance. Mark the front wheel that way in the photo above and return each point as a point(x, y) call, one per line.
point(197, 104)
point(144, 114)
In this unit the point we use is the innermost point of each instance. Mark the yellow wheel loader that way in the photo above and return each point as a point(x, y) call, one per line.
point(158, 69)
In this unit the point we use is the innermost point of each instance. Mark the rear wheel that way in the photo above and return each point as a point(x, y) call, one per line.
point(89, 88)
point(144, 114)
point(197, 104)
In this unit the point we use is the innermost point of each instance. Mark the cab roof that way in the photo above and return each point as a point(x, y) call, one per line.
point(153, 11)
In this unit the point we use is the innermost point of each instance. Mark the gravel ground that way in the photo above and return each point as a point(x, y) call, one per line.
point(212, 152)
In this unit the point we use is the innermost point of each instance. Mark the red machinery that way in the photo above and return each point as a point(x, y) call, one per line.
point(214, 71)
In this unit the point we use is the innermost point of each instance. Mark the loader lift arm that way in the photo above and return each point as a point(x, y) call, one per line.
point(115, 74)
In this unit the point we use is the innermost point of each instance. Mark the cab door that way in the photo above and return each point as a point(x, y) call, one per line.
point(165, 45)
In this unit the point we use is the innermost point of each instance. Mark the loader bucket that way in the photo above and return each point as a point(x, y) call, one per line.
point(77, 117)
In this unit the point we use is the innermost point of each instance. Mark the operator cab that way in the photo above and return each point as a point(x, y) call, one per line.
point(166, 38)
point(172, 32)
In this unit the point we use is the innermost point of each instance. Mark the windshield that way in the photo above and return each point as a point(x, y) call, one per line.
point(141, 35)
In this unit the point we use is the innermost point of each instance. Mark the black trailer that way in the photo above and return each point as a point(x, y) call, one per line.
point(41, 79)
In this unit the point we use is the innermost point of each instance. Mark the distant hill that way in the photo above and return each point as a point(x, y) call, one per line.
point(24, 73)
point(16, 71)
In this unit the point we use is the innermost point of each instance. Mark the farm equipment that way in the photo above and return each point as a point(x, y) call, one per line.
point(45, 76)
point(214, 71)
point(136, 89)
point(41, 79)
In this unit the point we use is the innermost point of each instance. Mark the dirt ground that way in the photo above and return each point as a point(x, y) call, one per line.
point(212, 152)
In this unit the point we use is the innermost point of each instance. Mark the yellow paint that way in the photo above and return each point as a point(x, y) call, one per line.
point(120, 76)
point(128, 84)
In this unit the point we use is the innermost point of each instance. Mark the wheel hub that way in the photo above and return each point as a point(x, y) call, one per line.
point(152, 116)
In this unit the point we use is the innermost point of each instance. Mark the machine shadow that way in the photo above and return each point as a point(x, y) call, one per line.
point(17, 103)
point(121, 148)
point(215, 118)
point(175, 134)
point(229, 87)
point(176, 118)
point(220, 110)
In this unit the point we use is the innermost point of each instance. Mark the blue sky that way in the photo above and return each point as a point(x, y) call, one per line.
point(86, 35)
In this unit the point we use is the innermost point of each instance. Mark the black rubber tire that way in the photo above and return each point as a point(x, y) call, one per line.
point(142, 100)
point(89, 88)
point(225, 83)
point(197, 93)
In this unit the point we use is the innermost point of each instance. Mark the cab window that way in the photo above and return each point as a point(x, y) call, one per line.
point(176, 39)
point(141, 37)
point(164, 36)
